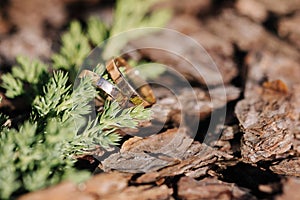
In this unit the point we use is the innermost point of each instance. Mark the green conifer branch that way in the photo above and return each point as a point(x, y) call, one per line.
point(40, 152)
point(26, 76)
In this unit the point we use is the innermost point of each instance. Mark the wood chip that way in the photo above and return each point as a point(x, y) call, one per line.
point(190, 58)
point(29, 17)
point(290, 167)
point(280, 7)
point(62, 191)
point(252, 9)
point(290, 189)
point(288, 28)
point(197, 162)
point(106, 186)
point(247, 35)
point(268, 120)
point(210, 188)
point(201, 103)
point(265, 65)
point(149, 154)
point(143, 192)
point(170, 153)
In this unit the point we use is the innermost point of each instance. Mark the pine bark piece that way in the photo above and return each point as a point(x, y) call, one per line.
point(173, 148)
point(247, 35)
point(265, 65)
point(289, 167)
point(269, 114)
point(288, 27)
point(144, 192)
point(29, 17)
point(178, 23)
point(149, 154)
point(207, 101)
point(111, 186)
point(196, 162)
point(180, 55)
point(106, 183)
point(280, 7)
point(105, 186)
point(268, 119)
point(290, 189)
point(4, 25)
point(224, 142)
point(170, 108)
point(258, 9)
point(252, 9)
point(62, 191)
point(210, 188)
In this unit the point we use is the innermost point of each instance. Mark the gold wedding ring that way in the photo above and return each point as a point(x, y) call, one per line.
point(127, 92)
point(130, 82)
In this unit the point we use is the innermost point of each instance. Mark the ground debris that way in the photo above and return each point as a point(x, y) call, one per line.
point(167, 154)
point(258, 10)
point(268, 119)
point(29, 18)
point(197, 65)
point(290, 189)
point(288, 28)
point(161, 159)
point(170, 107)
point(224, 144)
point(149, 154)
point(62, 191)
point(198, 161)
point(143, 192)
point(280, 7)
point(210, 188)
point(247, 35)
point(264, 65)
point(290, 167)
point(106, 186)
point(269, 114)
point(252, 9)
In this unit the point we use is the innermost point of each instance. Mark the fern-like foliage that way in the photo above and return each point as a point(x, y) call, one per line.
point(75, 48)
point(40, 152)
point(131, 14)
point(97, 31)
point(54, 93)
point(32, 159)
point(114, 117)
point(3, 118)
point(26, 76)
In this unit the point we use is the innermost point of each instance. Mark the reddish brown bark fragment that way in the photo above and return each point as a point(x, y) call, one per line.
point(290, 167)
point(210, 188)
point(268, 120)
point(289, 28)
point(290, 189)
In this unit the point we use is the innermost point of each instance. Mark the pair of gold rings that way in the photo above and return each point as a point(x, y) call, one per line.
point(129, 89)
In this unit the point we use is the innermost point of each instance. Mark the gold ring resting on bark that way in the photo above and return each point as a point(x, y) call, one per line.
point(123, 92)
point(107, 87)
point(130, 82)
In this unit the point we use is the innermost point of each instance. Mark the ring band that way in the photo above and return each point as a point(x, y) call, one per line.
point(107, 87)
point(135, 87)
point(124, 92)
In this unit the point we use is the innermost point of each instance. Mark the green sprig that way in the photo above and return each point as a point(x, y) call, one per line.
point(27, 76)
